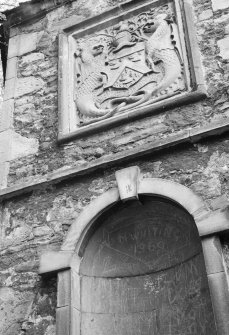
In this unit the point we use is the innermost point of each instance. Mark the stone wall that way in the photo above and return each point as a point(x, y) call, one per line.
point(32, 224)
point(31, 91)
point(4, 6)
point(37, 221)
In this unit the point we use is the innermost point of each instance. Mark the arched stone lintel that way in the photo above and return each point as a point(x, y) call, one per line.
point(208, 222)
point(154, 186)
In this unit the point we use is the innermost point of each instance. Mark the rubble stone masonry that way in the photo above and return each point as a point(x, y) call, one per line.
point(38, 220)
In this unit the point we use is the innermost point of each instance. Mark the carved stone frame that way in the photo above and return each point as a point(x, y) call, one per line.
point(67, 116)
point(66, 262)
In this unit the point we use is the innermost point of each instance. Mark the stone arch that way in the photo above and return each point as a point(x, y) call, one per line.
point(178, 193)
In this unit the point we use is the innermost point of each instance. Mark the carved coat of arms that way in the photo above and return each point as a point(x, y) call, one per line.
point(129, 65)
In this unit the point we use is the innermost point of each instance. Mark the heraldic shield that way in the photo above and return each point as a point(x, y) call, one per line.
point(133, 63)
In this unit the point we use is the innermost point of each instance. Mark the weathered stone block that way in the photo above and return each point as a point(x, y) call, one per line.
point(22, 44)
point(23, 146)
point(75, 324)
point(216, 222)
point(13, 46)
point(63, 320)
point(212, 254)
point(64, 288)
point(53, 261)
point(219, 293)
point(128, 180)
point(75, 287)
point(9, 90)
point(4, 146)
point(42, 231)
point(28, 85)
point(4, 170)
point(6, 114)
point(14, 146)
point(51, 330)
point(11, 70)
point(220, 4)
point(224, 47)
point(207, 14)
point(227, 29)
point(220, 202)
point(28, 43)
point(14, 31)
point(33, 57)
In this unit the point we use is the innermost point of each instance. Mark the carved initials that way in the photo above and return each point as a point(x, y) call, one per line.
point(128, 180)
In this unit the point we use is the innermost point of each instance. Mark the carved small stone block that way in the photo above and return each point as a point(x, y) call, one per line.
point(126, 62)
point(53, 261)
point(128, 181)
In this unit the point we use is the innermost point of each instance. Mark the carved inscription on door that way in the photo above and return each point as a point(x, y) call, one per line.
point(143, 273)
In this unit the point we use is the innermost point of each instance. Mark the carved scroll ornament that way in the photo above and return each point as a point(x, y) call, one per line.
point(132, 64)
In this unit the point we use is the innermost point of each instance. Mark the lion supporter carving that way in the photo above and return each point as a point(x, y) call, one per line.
point(129, 65)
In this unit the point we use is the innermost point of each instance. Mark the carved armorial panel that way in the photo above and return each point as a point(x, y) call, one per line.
point(126, 63)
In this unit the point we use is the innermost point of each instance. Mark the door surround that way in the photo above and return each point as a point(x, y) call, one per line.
point(129, 184)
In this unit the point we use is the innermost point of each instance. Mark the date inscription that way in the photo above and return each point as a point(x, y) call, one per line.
point(143, 273)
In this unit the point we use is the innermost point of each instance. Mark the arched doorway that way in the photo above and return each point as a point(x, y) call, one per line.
point(143, 272)
point(183, 290)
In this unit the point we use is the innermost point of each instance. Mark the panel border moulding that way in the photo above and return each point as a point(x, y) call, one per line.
point(195, 88)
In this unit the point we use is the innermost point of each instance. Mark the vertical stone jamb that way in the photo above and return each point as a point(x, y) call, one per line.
point(68, 301)
point(217, 282)
point(75, 302)
point(7, 110)
point(63, 312)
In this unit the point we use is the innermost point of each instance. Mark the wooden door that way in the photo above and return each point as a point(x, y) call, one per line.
point(143, 273)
